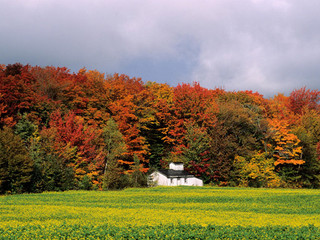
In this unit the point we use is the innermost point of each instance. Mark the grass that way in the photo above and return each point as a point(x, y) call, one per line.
point(163, 213)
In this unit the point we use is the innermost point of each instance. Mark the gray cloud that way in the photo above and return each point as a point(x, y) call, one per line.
point(268, 46)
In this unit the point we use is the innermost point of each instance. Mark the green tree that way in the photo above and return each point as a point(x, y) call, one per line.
point(138, 177)
point(16, 167)
point(24, 128)
point(308, 132)
point(56, 175)
point(239, 131)
point(114, 148)
point(51, 172)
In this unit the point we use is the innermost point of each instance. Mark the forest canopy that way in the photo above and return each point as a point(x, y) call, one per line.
point(89, 130)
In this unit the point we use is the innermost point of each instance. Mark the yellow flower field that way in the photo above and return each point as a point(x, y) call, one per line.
point(51, 215)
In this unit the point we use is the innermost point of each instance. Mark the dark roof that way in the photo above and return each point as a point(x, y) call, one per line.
point(175, 173)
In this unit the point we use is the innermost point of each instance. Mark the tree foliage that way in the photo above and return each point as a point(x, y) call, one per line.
point(115, 148)
point(90, 130)
point(16, 167)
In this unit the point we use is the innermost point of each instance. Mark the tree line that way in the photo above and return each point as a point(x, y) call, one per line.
point(88, 130)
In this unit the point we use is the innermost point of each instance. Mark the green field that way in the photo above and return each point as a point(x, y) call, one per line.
point(163, 213)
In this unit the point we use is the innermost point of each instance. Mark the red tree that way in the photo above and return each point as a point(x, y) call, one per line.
point(16, 92)
point(76, 143)
point(304, 98)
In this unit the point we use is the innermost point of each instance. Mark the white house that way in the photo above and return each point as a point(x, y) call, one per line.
point(174, 176)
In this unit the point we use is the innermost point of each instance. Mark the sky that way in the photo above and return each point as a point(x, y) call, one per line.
point(269, 46)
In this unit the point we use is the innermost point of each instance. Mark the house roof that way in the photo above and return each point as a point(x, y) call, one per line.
point(175, 173)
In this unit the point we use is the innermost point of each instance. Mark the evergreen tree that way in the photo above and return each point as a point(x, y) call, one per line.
point(24, 128)
point(138, 177)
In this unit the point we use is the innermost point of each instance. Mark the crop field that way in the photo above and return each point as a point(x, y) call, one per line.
point(163, 213)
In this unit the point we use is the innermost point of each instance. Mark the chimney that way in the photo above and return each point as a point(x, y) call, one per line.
point(176, 166)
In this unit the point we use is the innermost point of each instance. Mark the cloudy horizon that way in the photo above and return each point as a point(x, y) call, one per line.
point(269, 46)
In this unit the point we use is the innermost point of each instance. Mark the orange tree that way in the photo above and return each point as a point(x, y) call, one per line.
point(192, 115)
point(287, 152)
point(122, 91)
point(154, 105)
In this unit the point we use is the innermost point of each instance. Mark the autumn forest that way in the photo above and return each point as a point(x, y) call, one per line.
point(88, 130)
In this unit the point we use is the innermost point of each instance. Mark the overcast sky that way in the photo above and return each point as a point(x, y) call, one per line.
point(269, 46)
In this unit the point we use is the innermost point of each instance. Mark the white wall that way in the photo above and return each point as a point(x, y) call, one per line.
point(161, 180)
point(196, 181)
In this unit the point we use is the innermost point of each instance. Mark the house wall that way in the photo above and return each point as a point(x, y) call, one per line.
point(195, 182)
point(161, 180)
point(185, 182)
